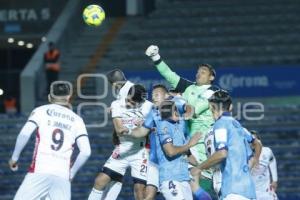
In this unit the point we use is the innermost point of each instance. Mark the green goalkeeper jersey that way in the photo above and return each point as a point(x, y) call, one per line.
point(197, 96)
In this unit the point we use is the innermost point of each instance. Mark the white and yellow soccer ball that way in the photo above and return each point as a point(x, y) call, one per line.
point(93, 15)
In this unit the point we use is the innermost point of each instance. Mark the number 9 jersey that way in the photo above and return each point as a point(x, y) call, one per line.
point(57, 130)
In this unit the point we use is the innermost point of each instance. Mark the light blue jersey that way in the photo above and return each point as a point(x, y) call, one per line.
point(151, 123)
point(171, 168)
point(236, 177)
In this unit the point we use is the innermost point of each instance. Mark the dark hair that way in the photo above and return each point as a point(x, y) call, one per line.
point(254, 132)
point(166, 109)
point(137, 93)
point(115, 76)
point(160, 86)
point(222, 98)
point(210, 68)
point(60, 89)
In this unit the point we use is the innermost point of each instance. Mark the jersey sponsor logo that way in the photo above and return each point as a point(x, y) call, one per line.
point(54, 113)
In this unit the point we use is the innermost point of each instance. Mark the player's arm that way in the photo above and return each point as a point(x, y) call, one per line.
point(257, 146)
point(220, 139)
point(180, 84)
point(84, 147)
point(201, 105)
point(273, 171)
point(172, 150)
point(118, 126)
point(22, 139)
point(144, 130)
point(116, 116)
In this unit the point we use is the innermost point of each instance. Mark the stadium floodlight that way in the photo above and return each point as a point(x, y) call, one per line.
point(21, 43)
point(29, 45)
point(10, 40)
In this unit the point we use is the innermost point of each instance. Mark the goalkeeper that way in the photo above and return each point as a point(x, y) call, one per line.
point(196, 94)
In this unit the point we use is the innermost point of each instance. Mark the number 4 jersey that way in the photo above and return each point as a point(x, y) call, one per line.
point(57, 130)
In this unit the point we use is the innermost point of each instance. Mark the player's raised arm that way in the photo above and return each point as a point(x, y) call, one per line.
point(180, 84)
point(22, 140)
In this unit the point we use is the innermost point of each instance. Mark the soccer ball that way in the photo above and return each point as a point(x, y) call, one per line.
point(93, 15)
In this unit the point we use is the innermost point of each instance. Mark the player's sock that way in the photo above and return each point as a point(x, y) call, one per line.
point(113, 191)
point(95, 194)
point(201, 194)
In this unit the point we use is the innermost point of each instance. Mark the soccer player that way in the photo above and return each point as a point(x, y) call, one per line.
point(265, 174)
point(196, 94)
point(232, 151)
point(126, 114)
point(171, 146)
point(159, 94)
point(120, 88)
point(57, 130)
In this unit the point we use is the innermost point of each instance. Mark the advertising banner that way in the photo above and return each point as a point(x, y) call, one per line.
point(256, 81)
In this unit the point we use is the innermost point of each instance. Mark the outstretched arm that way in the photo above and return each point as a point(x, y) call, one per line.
point(172, 150)
point(180, 84)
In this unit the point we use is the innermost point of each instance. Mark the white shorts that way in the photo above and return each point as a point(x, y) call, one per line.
point(36, 185)
point(137, 162)
point(235, 197)
point(153, 175)
point(174, 190)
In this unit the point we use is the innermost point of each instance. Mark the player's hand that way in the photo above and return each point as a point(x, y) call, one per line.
point(13, 165)
point(153, 52)
point(274, 186)
point(195, 139)
point(139, 122)
point(195, 172)
point(124, 131)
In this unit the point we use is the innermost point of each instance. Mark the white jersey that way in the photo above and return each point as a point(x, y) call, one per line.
point(130, 117)
point(261, 173)
point(57, 130)
point(210, 149)
point(124, 90)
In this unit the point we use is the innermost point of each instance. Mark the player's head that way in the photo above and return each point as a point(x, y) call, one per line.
point(116, 78)
point(168, 110)
point(136, 96)
point(255, 134)
point(60, 93)
point(159, 93)
point(220, 102)
point(205, 75)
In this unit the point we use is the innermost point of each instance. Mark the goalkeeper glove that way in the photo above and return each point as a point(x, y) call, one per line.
point(152, 52)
